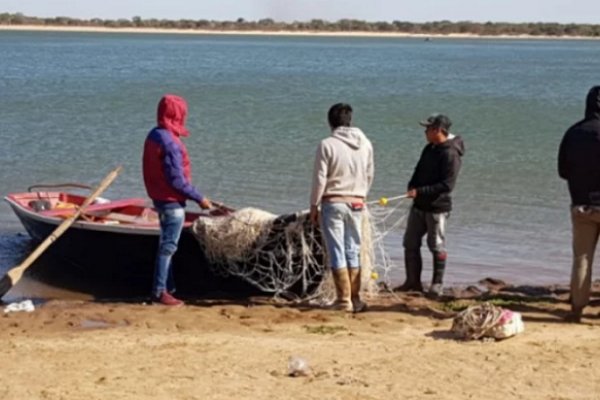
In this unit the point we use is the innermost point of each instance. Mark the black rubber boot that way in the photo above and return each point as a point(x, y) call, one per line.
point(413, 265)
point(439, 267)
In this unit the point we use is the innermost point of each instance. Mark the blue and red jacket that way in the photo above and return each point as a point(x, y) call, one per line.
point(166, 163)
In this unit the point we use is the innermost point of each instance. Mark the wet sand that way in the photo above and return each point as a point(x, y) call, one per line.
point(210, 349)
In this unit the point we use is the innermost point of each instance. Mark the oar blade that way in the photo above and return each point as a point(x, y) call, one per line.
point(15, 274)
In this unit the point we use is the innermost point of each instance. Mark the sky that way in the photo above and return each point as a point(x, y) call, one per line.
point(562, 11)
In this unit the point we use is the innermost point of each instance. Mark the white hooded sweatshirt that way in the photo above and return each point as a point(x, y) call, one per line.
point(343, 165)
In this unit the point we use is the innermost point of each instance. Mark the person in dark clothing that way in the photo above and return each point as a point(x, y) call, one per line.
point(432, 182)
point(579, 165)
point(168, 180)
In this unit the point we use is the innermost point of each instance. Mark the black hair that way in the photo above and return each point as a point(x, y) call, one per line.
point(339, 114)
point(592, 107)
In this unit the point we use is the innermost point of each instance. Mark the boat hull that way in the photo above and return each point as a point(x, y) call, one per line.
point(127, 257)
point(123, 254)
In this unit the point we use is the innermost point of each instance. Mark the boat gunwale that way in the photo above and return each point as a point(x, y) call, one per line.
point(131, 229)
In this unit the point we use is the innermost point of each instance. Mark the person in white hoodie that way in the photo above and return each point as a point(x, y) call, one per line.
point(342, 177)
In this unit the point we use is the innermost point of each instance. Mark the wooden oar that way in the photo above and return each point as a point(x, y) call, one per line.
point(222, 207)
point(15, 274)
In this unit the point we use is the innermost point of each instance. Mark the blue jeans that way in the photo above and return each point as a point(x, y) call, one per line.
point(171, 225)
point(341, 229)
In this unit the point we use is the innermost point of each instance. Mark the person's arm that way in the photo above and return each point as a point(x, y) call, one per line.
point(411, 193)
point(319, 181)
point(370, 169)
point(563, 166)
point(450, 167)
point(173, 168)
point(411, 182)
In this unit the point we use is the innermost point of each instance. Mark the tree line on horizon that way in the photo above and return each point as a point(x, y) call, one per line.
point(319, 25)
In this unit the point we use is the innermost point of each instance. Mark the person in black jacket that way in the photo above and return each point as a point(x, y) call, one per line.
point(430, 186)
point(579, 165)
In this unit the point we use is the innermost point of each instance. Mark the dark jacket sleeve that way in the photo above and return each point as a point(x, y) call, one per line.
point(173, 168)
point(563, 167)
point(411, 182)
point(450, 167)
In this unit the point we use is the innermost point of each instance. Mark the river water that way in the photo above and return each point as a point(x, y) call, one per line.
point(75, 105)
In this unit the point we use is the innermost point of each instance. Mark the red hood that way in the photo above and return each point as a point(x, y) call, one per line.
point(171, 114)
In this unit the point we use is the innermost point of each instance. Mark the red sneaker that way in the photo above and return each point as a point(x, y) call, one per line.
point(167, 299)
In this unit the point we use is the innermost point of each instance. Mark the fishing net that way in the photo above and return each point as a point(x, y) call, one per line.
point(487, 321)
point(284, 254)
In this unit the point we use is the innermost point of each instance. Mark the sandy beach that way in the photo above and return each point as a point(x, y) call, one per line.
point(91, 29)
point(209, 349)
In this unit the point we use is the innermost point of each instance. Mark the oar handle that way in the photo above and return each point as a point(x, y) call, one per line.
point(16, 273)
point(222, 206)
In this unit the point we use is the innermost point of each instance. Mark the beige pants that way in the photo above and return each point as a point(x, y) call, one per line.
point(586, 228)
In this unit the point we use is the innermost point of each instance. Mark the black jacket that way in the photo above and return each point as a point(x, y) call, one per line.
point(435, 175)
point(579, 155)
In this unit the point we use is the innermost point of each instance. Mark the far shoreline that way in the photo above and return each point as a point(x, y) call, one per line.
point(363, 34)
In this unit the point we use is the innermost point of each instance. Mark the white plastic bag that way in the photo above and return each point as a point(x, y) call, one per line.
point(25, 305)
point(509, 325)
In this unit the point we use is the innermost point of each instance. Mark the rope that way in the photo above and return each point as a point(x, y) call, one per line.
point(476, 321)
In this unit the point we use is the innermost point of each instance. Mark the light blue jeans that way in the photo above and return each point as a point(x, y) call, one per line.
point(341, 226)
point(171, 225)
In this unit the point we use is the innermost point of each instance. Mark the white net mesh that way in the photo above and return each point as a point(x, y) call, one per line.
point(386, 225)
point(283, 255)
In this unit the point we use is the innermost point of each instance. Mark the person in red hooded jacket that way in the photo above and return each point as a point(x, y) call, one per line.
point(168, 180)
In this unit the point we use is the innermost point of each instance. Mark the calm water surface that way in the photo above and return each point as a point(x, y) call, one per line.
point(75, 105)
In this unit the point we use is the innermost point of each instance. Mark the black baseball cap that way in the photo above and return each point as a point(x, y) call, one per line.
point(437, 121)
